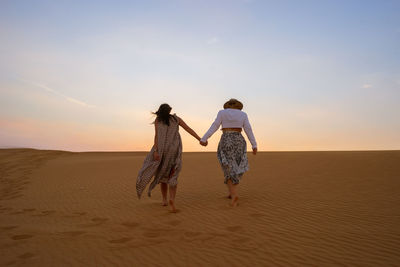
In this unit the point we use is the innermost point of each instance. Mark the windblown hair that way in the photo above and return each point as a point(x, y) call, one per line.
point(163, 113)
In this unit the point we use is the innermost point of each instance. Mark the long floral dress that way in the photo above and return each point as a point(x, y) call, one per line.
point(167, 169)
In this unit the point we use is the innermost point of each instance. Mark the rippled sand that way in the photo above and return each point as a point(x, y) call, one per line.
point(296, 209)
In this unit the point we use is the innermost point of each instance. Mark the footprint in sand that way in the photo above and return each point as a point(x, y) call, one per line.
point(80, 213)
point(73, 233)
point(27, 255)
point(174, 222)
point(96, 222)
point(241, 240)
point(75, 214)
point(22, 211)
point(14, 196)
point(234, 228)
point(192, 234)
point(99, 220)
point(198, 236)
point(120, 240)
point(45, 213)
point(257, 215)
point(151, 234)
point(20, 237)
point(16, 212)
point(7, 228)
point(130, 224)
point(28, 210)
point(2, 210)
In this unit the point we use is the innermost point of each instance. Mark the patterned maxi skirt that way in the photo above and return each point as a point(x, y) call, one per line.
point(232, 156)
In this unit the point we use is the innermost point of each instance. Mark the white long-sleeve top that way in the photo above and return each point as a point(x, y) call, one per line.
point(231, 118)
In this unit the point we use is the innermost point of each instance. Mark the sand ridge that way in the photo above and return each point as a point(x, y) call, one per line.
point(296, 209)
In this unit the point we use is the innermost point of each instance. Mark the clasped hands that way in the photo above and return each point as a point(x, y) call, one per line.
point(203, 143)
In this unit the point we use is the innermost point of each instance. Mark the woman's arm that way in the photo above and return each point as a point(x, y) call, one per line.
point(156, 156)
point(188, 129)
point(250, 135)
point(214, 127)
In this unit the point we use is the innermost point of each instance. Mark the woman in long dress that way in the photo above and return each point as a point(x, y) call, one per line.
point(232, 147)
point(164, 162)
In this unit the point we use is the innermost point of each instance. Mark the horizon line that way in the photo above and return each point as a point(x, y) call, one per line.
point(147, 151)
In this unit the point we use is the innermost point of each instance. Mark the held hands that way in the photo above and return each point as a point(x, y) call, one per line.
point(204, 143)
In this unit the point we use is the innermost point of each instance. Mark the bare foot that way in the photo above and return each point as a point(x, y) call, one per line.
point(229, 197)
point(172, 204)
point(165, 203)
point(235, 201)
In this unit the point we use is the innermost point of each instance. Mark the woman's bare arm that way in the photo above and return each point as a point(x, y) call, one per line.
point(188, 129)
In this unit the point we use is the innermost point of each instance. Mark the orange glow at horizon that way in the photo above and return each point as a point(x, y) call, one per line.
point(66, 136)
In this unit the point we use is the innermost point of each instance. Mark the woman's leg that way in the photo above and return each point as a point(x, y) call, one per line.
point(172, 194)
point(164, 192)
point(229, 191)
point(233, 193)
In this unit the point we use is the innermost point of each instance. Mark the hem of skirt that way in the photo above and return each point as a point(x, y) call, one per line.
point(237, 178)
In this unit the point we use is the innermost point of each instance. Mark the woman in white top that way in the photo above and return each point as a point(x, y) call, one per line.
point(232, 147)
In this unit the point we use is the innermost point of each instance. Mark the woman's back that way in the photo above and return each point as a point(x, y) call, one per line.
point(173, 122)
point(232, 118)
point(168, 135)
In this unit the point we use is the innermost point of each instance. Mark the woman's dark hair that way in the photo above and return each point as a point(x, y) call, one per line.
point(163, 113)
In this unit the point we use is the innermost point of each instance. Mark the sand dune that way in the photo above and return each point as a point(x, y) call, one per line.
point(296, 209)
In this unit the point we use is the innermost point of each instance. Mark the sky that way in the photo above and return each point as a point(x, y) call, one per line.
point(312, 74)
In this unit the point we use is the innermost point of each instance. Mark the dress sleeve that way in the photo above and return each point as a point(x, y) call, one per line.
point(249, 132)
point(214, 127)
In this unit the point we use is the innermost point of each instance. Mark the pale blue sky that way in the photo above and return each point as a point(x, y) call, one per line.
point(313, 75)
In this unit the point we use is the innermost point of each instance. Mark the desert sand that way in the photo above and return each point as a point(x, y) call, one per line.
point(295, 209)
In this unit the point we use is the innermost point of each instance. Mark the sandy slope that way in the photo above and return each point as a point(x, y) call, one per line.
point(296, 209)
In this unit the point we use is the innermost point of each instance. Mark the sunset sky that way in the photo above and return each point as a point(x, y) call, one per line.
point(312, 75)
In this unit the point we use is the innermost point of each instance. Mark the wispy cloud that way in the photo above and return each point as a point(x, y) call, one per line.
point(55, 92)
point(367, 85)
